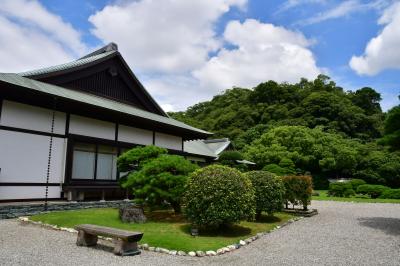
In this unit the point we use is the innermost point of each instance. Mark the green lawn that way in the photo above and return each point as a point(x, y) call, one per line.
point(164, 229)
point(323, 195)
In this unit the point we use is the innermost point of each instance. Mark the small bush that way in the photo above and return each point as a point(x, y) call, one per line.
point(337, 189)
point(390, 194)
point(374, 191)
point(269, 191)
point(355, 183)
point(349, 192)
point(298, 190)
point(218, 195)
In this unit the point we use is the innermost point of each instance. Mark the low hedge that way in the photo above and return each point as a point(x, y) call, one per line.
point(390, 194)
point(355, 183)
point(374, 191)
point(340, 189)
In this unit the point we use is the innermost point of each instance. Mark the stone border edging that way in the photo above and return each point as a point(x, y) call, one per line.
point(198, 253)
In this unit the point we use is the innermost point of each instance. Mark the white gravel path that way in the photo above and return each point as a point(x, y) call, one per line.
point(342, 234)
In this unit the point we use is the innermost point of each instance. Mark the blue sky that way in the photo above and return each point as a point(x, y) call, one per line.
point(187, 51)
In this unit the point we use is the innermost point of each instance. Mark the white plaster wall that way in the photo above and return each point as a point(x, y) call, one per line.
point(135, 135)
point(91, 127)
point(23, 158)
point(31, 117)
point(168, 141)
point(28, 192)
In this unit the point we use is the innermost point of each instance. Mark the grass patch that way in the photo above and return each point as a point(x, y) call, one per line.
point(323, 195)
point(164, 228)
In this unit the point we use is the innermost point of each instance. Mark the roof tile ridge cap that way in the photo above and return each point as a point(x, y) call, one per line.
point(107, 48)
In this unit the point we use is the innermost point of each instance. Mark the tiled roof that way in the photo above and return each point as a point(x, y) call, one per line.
point(91, 99)
point(74, 64)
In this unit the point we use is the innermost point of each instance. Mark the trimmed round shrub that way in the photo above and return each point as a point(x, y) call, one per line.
point(355, 183)
point(374, 191)
point(218, 195)
point(269, 192)
point(390, 194)
point(337, 189)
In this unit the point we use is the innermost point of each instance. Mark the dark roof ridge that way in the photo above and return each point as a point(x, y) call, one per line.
point(215, 140)
point(109, 47)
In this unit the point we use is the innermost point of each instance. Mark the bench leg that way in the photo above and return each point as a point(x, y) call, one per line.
point(85, 239)
point(124, 248)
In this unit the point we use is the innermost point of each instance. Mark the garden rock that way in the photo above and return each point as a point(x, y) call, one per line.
point(173, 252)
point(192, 254)
point(145, 246)
point(225, 249)
point(132, 214)
point(200, 253)
point(181, 253)
point(211, 253)
point(242, 242)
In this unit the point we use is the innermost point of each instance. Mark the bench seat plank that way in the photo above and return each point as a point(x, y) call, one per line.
point(110, 232)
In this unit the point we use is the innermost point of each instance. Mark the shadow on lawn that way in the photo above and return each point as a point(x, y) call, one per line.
point(234, 230)
point(390, 226)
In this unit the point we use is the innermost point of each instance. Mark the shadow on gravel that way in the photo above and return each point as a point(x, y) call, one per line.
point(390, 226)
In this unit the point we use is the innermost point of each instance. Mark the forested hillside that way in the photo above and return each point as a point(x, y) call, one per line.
point(311, 126)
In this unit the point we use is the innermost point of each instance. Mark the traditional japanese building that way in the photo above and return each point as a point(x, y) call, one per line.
point(63, 127)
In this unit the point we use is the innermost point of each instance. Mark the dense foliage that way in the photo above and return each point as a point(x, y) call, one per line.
point(341, 130)
point(241, 114)
point(269, 192)
point(374, 191)
point(135, 158)
point(355, 183)
point(341, 189)
point(159, 178)
point(392, 128)
point(390, 194)
point(298, 190)
point(218, 195)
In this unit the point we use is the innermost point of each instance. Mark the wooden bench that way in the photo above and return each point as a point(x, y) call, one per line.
point(125, 241)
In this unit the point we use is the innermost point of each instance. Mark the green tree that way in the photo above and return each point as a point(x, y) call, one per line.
point(161, 180)
point(392, 128)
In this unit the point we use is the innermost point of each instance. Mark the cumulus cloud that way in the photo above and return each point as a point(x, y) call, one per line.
point(32, 37)
point(382, 52)
point(263, 52)
point(168, 44)
point(164, 36)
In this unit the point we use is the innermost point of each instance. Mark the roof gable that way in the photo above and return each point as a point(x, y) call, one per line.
point(104, 73)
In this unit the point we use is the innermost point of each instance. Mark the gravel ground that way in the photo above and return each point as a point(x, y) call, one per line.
point(342, 234)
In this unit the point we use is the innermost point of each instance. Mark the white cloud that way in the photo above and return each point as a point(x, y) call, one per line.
point(32, 37)
point(168, 44)
point(263, 52)
point(382, 52)
point(163, 36)
point(345, 8)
